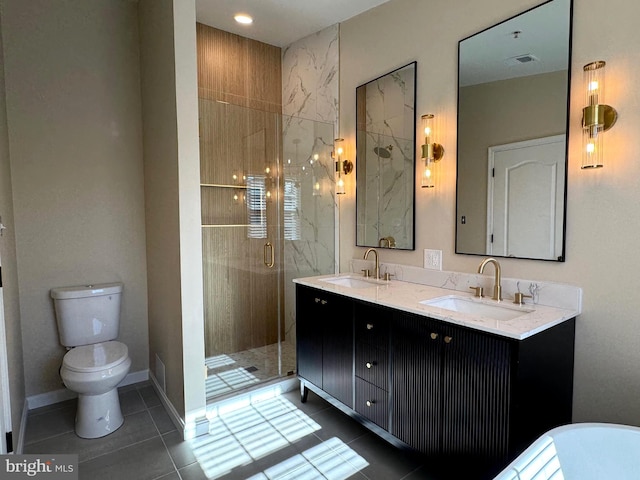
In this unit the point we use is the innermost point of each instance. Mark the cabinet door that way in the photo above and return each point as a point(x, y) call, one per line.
point(336, 316)
point(324, 345)
point(476, 393)
point(416, 386)
point(309, 330)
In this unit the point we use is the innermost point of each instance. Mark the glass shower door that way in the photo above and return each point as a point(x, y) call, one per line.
point(240, 190)
point(266, 182)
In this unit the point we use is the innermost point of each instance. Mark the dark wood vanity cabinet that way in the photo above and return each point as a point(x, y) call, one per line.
point(463, 397)
point(450, 389)
point(460, 394)
point(324, 331)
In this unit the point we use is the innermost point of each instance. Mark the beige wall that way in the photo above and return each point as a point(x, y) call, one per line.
point(9, 267)
point(75, 136)
point(603, 224)
point(172, 198)
point(546, 107)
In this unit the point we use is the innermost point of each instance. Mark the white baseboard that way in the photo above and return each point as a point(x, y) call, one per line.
point(168, 406)
point(57, 396)
point(19, 445)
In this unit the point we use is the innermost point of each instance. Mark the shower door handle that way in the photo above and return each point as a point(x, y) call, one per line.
point(269, 263)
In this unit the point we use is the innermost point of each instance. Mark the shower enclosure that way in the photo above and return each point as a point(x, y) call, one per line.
point(267, 191)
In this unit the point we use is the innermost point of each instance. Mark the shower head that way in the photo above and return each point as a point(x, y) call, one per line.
point(383, 152)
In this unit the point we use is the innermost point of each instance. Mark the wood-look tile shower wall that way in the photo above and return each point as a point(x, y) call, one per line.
point(238, 137)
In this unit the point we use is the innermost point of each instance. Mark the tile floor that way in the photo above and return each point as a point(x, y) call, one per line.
point(275, 438)
point(234, 371)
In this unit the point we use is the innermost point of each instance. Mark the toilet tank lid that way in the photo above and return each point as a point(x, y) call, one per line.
point(83, 291)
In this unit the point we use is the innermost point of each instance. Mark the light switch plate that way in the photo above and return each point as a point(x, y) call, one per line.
point(433, 259)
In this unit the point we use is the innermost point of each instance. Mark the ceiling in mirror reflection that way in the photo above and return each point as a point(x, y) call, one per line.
point(512, 203)
point(531, 43)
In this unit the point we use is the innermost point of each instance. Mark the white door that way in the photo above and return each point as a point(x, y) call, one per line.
point(525, 198)
point(5, 399)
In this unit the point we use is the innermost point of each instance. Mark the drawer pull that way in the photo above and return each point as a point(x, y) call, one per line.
point(369, 364)
point(369, 326)
point(434, 336)
point(370, 403)
point(448, 339)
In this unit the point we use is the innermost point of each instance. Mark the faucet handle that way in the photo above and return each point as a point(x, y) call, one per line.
point(478, 291)
point(366, 272)
point(387, 276)
point(518, 298)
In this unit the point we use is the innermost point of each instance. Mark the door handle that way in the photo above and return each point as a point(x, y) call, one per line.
point(269, 263)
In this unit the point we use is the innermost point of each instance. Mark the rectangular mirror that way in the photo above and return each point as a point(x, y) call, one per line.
point(513, 100)
point(385, 160)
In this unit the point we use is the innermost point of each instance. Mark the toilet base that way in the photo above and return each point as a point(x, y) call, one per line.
point(98, 415)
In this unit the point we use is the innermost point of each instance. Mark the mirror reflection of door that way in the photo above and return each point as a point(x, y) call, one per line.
point(525, 201)
point(513, 86)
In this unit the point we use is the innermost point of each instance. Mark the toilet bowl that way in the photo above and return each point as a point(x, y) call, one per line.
point(93, 372)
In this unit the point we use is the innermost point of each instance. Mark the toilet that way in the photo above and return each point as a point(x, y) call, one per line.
point(88, 318)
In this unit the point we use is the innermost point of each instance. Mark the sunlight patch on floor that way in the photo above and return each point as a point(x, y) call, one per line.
point(242, 435)
point(229, 380)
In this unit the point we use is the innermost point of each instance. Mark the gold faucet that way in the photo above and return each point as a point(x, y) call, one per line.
point(377, 270)
point(497, 288)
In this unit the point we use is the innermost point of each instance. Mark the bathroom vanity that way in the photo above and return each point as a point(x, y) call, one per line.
point(424, 372)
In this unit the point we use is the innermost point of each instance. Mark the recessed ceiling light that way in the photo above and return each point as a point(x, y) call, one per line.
point(243, 18)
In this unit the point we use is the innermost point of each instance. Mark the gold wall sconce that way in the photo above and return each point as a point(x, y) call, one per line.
point(432, 152)
point(596, 116)
point(342, 166)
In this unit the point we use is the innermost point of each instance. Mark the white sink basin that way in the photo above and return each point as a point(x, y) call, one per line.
point(496, 311)
point(351, 282)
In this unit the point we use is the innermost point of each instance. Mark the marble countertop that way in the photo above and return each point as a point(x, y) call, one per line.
point(407, 296)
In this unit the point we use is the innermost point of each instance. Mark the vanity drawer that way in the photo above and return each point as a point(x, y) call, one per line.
point(372, 325)
point(372, 365)
point(373, 403)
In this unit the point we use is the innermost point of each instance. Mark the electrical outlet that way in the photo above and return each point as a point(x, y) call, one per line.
point(433, 259)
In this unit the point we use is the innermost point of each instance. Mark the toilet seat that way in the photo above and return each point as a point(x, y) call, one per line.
point(95, 357)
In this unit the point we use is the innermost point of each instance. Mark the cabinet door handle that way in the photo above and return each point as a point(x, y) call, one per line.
point(434, 336)
point(369, 326)
point(323, 302)
point(370, 364)
point(447, 339)
point(370, 403)
point(317, 300)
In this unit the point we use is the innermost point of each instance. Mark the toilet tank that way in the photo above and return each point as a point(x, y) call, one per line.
point(87, 314)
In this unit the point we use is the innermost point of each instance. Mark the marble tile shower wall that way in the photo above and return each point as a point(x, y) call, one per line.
point(310, 92)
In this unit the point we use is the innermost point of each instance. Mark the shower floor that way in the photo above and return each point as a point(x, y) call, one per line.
point(235, 371)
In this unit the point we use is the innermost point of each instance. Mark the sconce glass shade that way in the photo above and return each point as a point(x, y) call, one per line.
point(597, 117)
point(338, 151)
point(431, 152)
point(428, 174)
